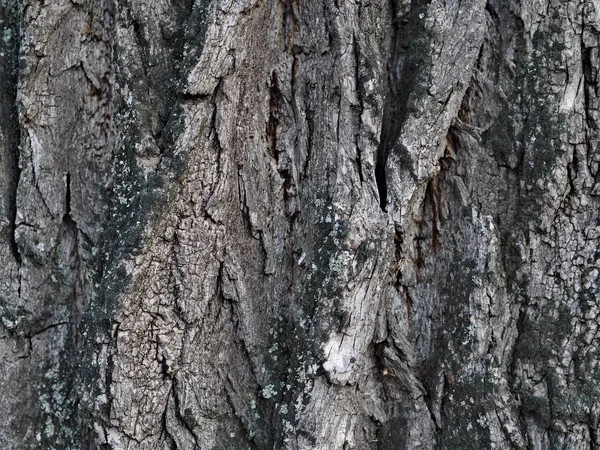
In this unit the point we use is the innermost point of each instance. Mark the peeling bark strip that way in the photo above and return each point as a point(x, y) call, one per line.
point(299, 224)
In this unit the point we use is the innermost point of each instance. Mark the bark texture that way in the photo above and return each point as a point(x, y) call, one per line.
point(250, 224)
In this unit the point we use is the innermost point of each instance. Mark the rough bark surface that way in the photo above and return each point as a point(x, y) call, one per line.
point(250, 224)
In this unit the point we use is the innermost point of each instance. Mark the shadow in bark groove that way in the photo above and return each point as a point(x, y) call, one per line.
point(408, 57)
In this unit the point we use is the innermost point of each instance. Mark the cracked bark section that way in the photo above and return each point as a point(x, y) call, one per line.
point(420, 332)
point(240, 157)
point(58, 183)
point(490, 265)
point(300, 224)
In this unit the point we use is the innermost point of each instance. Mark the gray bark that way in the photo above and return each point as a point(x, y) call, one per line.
point(246, 224)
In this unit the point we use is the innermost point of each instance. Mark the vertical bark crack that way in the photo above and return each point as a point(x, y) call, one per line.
point(359, 96)
point(273, 120)
point(405, 60)
point(12, 211)
point(9, 123)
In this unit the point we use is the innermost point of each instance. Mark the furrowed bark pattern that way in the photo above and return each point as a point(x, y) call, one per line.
point(300, 224)
point(10, 349)
point(262, 297)
point(504, 259)
point(59, 193)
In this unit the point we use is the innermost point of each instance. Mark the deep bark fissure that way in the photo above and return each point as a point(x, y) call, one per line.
point(406, 57)
point(361, 106)
point(167, 434)
point(9, 88)
point(177, 410)
point(275, 99)
point(10, 23)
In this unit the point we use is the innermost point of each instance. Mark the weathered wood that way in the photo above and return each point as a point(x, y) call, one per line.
point(304, 225)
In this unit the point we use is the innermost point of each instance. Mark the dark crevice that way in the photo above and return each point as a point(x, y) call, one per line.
point(108, 379)
point(68, 197)
point(589, 78)
point(430, 400)
point(243, 204)
point(164, 366)
point(46, 328)
point(309, 138)
point(359, 94)
point(339, 113)
point(187, 97)
point(289, 22)
point(492, 12)
point(9, 122)
point(398, 256)
point(292, 100)
point(142, 43)
point(217, 139)
point(406, 60)
point(174, 269)
point(14, 248)
point(288, 193)
point(275, 99)
point(165, 432)
point(572, 175)
point(378, 359)
point(219, 282)
point(187, 419)
point(12, 195)
point(432, 202)
point(71, 228)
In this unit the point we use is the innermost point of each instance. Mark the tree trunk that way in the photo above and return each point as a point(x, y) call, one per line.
point(282, 224)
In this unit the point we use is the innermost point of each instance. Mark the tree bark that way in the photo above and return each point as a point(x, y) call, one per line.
point(246, 224)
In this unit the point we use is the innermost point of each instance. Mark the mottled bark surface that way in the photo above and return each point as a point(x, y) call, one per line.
point(249, 224)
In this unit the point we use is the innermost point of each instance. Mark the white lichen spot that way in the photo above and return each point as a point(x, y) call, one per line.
point(8, 34)
point(342, 260)
point(483, 421)
point(269, 391)
point(49, 429)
